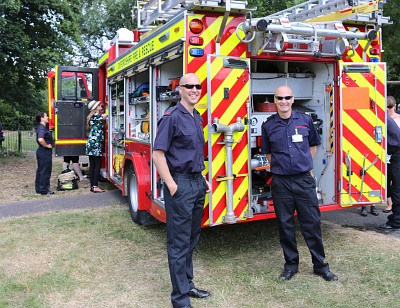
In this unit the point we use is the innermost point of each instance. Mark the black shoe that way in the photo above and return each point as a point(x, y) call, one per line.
point(387, 227)
point(196, 293)
point(328, 276)
point(387, 211)
point(374, 211)
point(48, 193)
point(363, 211)
point(287, 275)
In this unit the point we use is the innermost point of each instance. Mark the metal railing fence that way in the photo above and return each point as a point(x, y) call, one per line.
point(19, 142)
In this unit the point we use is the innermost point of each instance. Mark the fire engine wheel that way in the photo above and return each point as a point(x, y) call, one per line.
point(133, 198)
point(138, 216)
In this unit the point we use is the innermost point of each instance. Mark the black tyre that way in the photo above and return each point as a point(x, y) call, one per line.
point(138, 216)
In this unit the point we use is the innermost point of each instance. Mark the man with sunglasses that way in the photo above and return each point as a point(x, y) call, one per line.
point(179, 157)
point(289, 140)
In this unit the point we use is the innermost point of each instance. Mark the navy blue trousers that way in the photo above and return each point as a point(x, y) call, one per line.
point(43, 172)
point(297, 193)
point(184, 213)
point(394, 175)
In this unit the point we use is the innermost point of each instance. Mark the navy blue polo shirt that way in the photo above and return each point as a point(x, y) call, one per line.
point(43, 132)
point(288, 157)
point(181, 137)
point(393, 136)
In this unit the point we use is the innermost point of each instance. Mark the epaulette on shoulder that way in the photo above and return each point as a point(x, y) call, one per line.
point(270, 118)
point(167, 113)
point(170, 110)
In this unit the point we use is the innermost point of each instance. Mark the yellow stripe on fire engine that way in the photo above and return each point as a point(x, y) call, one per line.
point(358, 158)
point(230, 44)
point(355, 195)
point(240, 192)
point(360, 132)
point(56, 81)
point(228, 116)
point(210, 32)
point(367, 139)
point(102, 59)
point(71, 141)
point(155, 45)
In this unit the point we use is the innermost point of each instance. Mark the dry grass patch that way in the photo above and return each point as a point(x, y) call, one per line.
point(99, 258)
point(17, 179)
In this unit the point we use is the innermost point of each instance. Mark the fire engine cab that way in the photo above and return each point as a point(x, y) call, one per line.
point(328, 52)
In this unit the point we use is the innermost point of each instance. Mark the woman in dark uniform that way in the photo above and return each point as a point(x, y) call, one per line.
point(43, 155)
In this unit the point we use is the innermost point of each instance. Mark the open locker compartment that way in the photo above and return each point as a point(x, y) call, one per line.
point(313, 87)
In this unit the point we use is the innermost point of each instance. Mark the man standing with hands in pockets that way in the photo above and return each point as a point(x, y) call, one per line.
point(178, 154)
point(289, 140)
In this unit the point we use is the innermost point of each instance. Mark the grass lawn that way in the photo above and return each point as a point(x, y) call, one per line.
point(99, 258)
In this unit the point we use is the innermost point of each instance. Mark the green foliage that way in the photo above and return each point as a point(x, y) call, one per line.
point(265, 8)
point(35, 35)
point(102, 18)
point(390, 37)
point(13, 119)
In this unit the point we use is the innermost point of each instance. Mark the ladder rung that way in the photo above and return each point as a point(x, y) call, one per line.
point(152, 10)
point(314, 8)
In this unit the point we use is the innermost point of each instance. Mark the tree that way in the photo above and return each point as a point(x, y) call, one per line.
point(100, 20)
point(268, 7)
point(391, 34)
point(35, 35)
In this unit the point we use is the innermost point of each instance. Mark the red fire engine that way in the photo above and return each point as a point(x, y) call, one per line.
point(328, 52)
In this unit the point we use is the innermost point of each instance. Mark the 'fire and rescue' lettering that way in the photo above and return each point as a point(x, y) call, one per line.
point(136, 55)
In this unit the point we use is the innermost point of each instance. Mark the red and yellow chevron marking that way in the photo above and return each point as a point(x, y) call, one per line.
point(225, 110)
point(359, 118)
point(359, 55)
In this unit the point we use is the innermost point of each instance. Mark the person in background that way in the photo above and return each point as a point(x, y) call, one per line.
point(94, 144)
point(393, 149)
point(75, 166)
point(391, 111)
point(179, 157)
point(44, 154)
point(1, 135)
point(289, 140)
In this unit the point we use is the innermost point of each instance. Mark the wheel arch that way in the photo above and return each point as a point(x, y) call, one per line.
point(140, 166)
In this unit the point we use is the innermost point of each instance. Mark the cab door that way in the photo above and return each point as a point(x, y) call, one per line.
point(228, 91)
point(363, 133)
point(74, 88)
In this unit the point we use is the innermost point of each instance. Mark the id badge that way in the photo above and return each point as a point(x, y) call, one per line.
point(297, 137)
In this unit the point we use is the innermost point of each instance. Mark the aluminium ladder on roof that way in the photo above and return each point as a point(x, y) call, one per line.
point(163, 10)
point(318, 8)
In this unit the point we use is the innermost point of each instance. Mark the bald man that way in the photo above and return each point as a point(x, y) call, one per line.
point(289, 140)
point(179, 157)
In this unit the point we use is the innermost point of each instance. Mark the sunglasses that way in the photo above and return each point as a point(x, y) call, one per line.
point(390, 107)
point(191, 86)
point(279, 98)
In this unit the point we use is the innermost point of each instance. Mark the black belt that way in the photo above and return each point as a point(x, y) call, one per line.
point(192, 176)
point(299, 174)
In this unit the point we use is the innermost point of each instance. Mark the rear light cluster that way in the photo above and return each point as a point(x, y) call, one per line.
point(375, 51)
point(196, 26)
